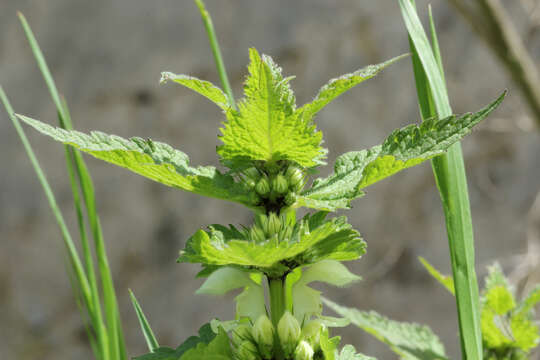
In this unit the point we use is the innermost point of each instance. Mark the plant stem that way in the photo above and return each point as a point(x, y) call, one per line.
point(277, 309)
point(207, 20)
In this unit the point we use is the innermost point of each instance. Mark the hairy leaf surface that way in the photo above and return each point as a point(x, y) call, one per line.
point(203, 87)
point(404, 148)
point(349, 353)
point(338, 86)
point(154, 160)
point(505, 324)
point(267, 125)
point(530, 301)
point(311, 241)
point(410, 341)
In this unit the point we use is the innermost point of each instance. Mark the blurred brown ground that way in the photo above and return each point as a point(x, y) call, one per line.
point(106, 57)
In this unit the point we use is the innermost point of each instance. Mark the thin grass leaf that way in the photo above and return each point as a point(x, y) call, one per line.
point(113, 342)
point(86, 318)
point(452, 184)
point(74, 258)
point(145, 326)
point(209, 26)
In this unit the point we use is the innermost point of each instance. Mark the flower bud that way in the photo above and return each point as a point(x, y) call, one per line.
point(279, 184)
point(257, 234)
point(252, 173)
point(247, 351)
point(290, 198)
point(261, 220)
point(263, 334)
point(289, 333)
point(250, 183)
point(263, 187)
point(295, 177)
point(240, 334)
point(303, 351)
point(312, 333)
point(274, 224)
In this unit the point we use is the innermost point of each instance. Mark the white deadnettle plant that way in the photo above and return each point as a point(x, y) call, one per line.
point(272, 148)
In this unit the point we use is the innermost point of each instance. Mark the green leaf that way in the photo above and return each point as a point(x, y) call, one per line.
point(207, 345)
point(307, 301)
point(267, 125)
point(205, 88)
point(445, 280)
point(349, 353)
point(145, 326)
point(410, 341)
point(154, 160)
point(338, 86)
point(495, 278)
point(530, 301)
point(311, 241)
point(500, 300)
point(249, 303)
point(218, 349)
point(525, 332)
point(404, 148)
point(449, 171)
point(329, 345)
point(496, 331)
point(505, 325)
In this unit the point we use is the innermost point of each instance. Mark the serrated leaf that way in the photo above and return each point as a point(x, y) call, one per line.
point(267, 125)
point(445, 280)
point(530, 300)
point(203, 87)
point(410, 341)
point(525, 332)
point(404, 148)
point(249, 303)
point(154, 160)
point(311, 242)
point(307, 301)
point(496, 331)
point(207, 345)
point(336, 87)
point(349, 353)
point(496, 278)
point(500, 300)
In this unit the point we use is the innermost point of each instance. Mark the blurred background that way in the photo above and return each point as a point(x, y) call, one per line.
point(106, 57)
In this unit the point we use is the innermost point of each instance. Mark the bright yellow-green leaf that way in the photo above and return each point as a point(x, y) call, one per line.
point(151, 159)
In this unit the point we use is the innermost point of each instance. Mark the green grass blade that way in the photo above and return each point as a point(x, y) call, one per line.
point(115, 347)
point(77, 265)
point(145, 326)
point(209, 26)
point(451, 181)
point(86, 318)
point(71, 164)
point(435, 44)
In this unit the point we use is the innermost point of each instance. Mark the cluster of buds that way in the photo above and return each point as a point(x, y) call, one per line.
point(299, 343)
point(277, 185)
point(254, 342)
point(258, 342)
point(270, 226)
